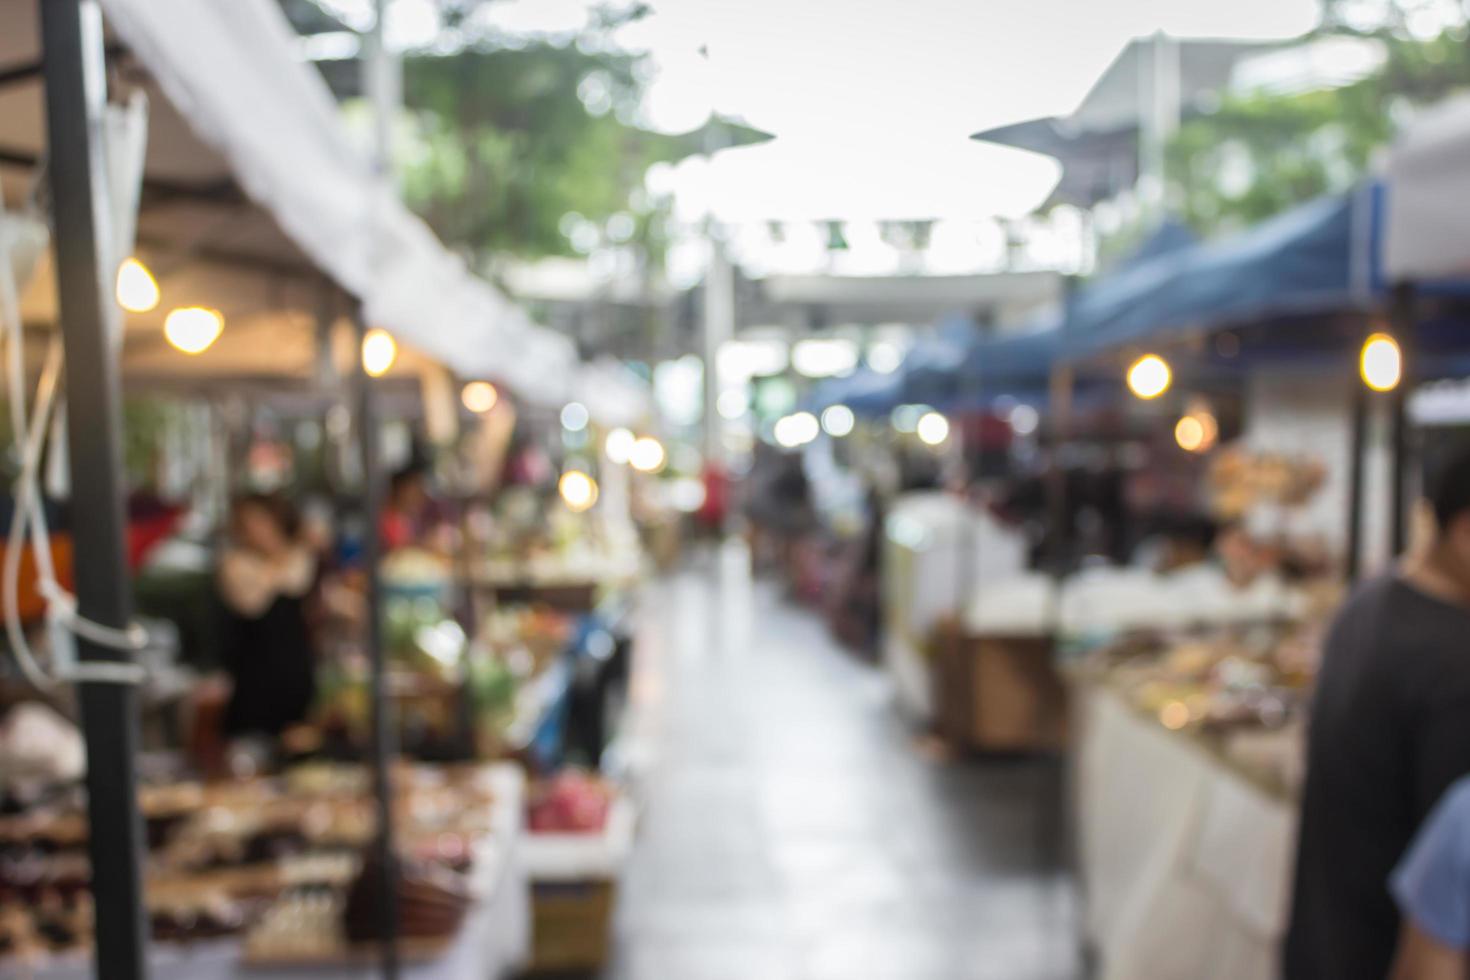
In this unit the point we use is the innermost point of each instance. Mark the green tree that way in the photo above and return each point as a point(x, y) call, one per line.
point(1261, 153)
point(529, 147)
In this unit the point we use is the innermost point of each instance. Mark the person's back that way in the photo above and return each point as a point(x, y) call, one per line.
point(1390, 731)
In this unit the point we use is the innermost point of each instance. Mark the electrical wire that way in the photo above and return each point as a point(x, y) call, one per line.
point(28, 431)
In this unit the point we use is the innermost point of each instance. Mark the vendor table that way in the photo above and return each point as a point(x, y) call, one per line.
point(494, 941)
point(1186, 863)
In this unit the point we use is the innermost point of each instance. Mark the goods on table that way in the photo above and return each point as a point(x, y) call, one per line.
point(1240, 479)
point(581, 832)
point(571, 802)
point(1242, 692)
point(225, 858)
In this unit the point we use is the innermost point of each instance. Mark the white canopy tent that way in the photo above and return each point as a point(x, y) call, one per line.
point(1428, 210)
point(233, 110)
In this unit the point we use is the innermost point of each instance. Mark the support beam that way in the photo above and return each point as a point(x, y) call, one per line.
point(1058, 507)
point(383, 748)
point(76, 92)
point(1359, 441)
point(30, 70)
point(155, 190)
point(1403, 315)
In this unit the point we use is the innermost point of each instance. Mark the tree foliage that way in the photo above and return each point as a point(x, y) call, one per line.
point(522, 145)
point(1261, 153)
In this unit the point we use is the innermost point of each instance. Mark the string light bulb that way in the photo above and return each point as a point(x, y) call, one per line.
point(1381, 363)
point(193, 329)
point(932, 428)
point(379, 351)
point(578, 490)
point(479, 396)
point(1149, 377)
point(137, 290)
point(647, 455)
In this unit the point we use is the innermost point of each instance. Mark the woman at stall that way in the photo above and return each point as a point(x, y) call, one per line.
point(266, 574)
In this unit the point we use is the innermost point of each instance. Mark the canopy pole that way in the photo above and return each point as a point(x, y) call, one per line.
point(382, 747)
point(1063, 381)
point(1402, 316)
point(1358, 441)
point(76, 94)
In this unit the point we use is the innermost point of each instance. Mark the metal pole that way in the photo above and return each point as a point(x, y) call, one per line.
point(1063, 380)
point(382, 748)
point(383, 87)
point(1355, 481)
point(1403, 327)
point(76, 94)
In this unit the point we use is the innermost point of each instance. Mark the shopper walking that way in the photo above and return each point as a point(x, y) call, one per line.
point(1390, 732)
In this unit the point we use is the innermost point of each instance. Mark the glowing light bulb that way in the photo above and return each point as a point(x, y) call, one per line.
point(1150, 376)
point(574, 417)
point(1381, 363)
point(838, 421)
point(578, 490)
point(932, 428)
point(619, 445)
point(797, 429)
point(379, 351)
point(137, 290)
point(647, 455)
point(192, 329)
point(479, 396)
point(1189, 434)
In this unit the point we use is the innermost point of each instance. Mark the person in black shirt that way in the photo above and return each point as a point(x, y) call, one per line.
point(1390, 732)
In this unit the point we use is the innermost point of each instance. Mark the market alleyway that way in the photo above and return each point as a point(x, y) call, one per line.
point(792, 830)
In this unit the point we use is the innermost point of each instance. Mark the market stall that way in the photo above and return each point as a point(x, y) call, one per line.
point(252, 202)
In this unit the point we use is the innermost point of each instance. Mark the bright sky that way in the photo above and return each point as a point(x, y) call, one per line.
point(872, 101)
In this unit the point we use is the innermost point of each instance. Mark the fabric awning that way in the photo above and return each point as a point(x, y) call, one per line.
point(237, 82)
point(1427, 233)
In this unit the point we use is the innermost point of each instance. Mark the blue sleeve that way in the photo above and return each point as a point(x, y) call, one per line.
point(1432, 882)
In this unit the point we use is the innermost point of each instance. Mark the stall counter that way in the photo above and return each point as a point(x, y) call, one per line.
point(1186, 862)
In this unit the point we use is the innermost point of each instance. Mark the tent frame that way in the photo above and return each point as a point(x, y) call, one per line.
point(75, 80)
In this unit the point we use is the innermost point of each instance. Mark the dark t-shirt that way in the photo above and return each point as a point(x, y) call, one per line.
point(1390, 732)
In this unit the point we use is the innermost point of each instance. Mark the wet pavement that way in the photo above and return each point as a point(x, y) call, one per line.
point(795, 829)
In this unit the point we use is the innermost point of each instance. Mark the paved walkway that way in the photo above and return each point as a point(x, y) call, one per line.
point(793, 830)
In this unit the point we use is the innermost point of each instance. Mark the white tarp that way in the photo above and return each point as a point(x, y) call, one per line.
point(1428, 212)
point(229, 67)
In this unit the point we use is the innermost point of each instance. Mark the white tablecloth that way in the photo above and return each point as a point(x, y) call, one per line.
point(494, 942)
point(1186, 865)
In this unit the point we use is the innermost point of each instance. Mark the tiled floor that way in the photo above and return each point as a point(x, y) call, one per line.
point(792, 829)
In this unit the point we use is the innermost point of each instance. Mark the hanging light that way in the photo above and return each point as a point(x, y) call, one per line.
point(796, 429)
point(647, 455)
point(574, 416)
point(1149, 376)
point(137, 290)
point(1381, 363)
point(192, 329)
point(838, 420)
point(578, 490)
point(932, 428)
point(379, 351)
point(1189, 434)
point(619, 445)
point(479, 396)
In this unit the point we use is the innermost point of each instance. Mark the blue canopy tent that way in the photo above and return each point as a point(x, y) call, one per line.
point(1312, 261)
point(865, 391)
point(1018, 364)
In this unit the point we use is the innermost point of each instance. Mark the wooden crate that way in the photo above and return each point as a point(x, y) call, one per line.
point(572, 925)
point(998, 693)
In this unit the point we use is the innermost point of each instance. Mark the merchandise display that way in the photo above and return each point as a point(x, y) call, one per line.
point(273, 864)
